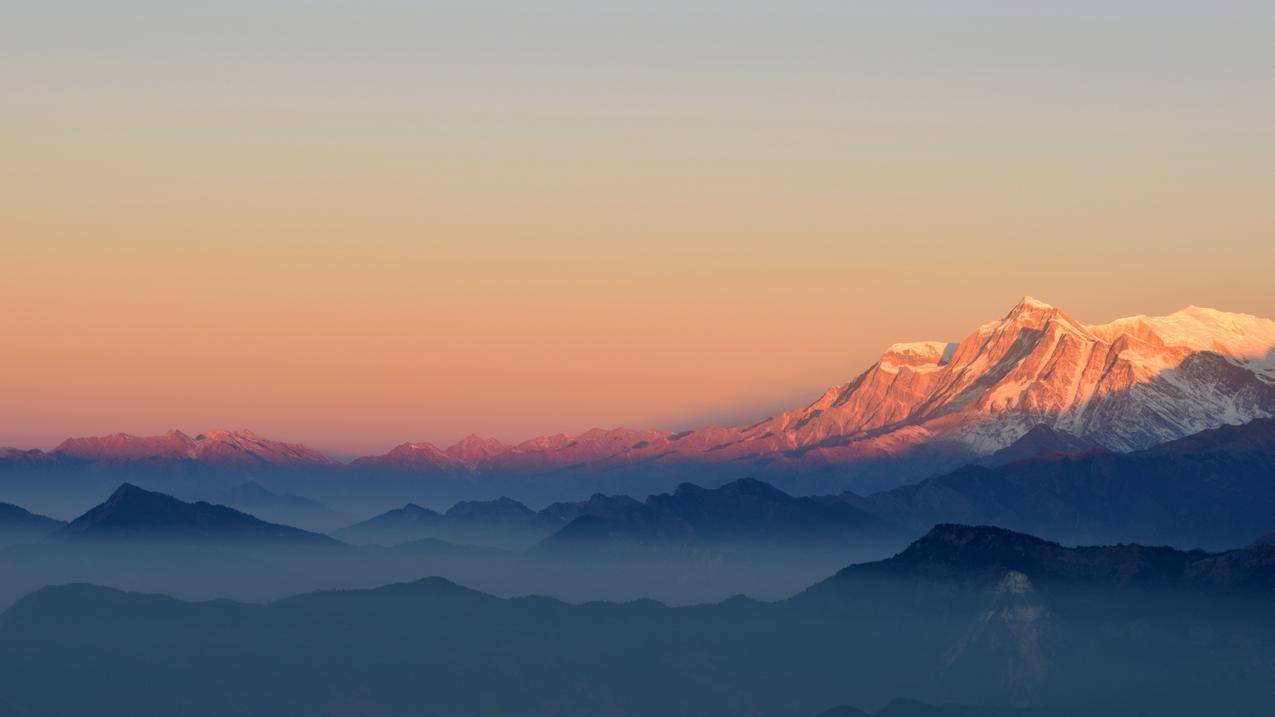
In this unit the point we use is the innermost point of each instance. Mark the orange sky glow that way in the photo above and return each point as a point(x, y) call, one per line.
point(354, 241)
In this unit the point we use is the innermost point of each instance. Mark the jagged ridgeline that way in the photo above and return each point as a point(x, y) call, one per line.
point(924, 408)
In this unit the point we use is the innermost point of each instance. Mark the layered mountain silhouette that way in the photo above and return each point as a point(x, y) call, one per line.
point(135, 514)
point(982, 556)
point(18, 525)
point(500, 523)
point(743, 514)
point(923, 408)
point(972, 615)
point(253, 498)
point(1214, 489)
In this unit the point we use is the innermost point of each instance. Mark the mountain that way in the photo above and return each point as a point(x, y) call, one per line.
point(1211, 490)
point(1033, 381)
point(17, 525)
point(557, 515)
point(255, 499)
point(745, 513)
point(16, 459)
point(984, 555)
point(967, 615)
point(503, 523)
point(411, 522)
point(1040, 441)
point(134, 514)
point(222, 448)
point(933, 405)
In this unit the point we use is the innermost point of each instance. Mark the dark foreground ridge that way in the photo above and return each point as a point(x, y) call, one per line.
point(968, 615)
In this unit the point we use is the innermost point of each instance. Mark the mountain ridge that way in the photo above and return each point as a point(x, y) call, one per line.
point(922, 408)
point(966, 614)
point(132, 513)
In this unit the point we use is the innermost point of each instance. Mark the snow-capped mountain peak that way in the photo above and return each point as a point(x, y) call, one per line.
point(923, 406)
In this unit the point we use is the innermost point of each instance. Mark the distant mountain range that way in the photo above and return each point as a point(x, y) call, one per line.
point(1211, 490)
point(502, 522)
point(922, 409)
point(743, 514)
point(965, 614)
point(694, 543)
point(254, 498)
point(220, 448)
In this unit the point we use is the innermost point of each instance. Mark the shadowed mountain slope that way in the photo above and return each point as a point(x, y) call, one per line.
point(1215, 489)
point(745, 513)
point(19, 525)
point(135, 514)
point(1039, 442)
point(502, 522)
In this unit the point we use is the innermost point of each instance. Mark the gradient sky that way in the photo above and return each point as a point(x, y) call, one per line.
point(358, 223)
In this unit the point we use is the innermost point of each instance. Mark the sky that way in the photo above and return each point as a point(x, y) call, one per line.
point(354, 224)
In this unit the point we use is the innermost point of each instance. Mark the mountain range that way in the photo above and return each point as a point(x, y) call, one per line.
point(923, 408)
point(965, 614)
point(1214, 489)
point(691, 544)
point(742, 514)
